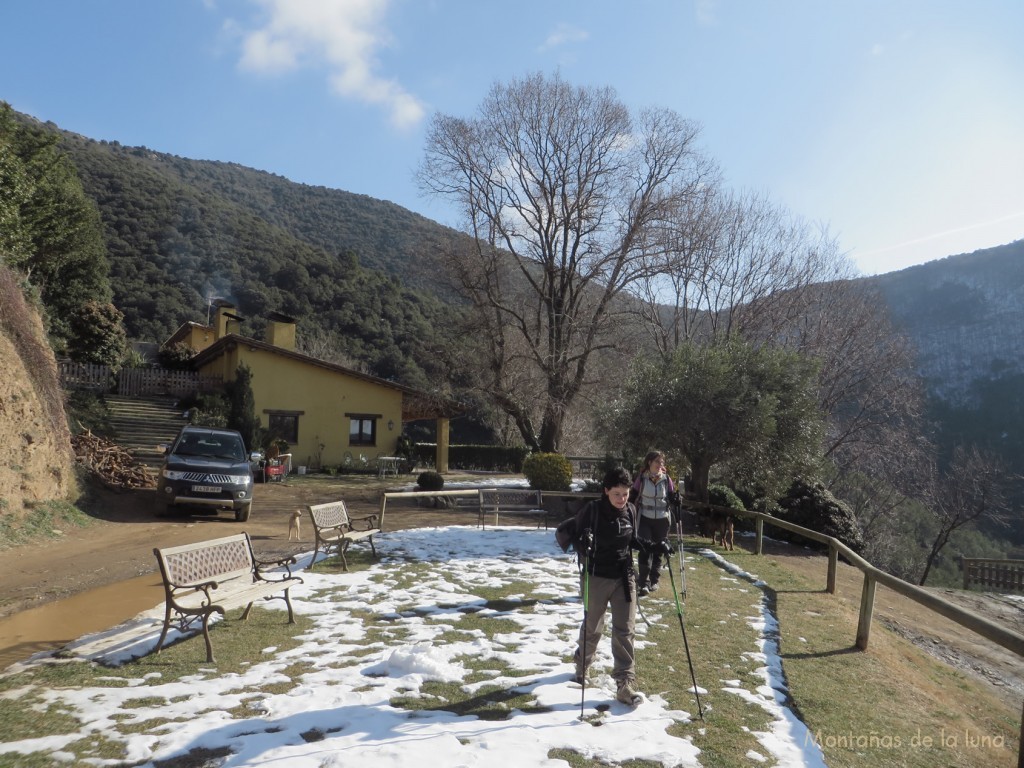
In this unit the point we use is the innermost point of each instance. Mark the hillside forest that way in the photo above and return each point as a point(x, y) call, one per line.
point(846, 426)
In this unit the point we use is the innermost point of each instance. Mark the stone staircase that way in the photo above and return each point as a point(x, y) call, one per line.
point(142, 423)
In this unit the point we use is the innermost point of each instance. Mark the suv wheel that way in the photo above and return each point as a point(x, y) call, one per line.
point(242, 513)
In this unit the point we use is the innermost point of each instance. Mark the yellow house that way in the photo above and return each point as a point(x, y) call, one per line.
point(194, 335)
point(328, 414)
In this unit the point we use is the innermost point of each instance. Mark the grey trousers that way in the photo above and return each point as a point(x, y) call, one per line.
point(649, 564)
point(604, 593)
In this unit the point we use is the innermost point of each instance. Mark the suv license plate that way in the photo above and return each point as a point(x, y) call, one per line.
point(205, 489)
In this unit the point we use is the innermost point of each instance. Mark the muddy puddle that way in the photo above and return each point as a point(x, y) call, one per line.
point(50, 626)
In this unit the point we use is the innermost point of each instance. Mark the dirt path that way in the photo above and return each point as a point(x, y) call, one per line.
point(119, 546)
point(119, 549)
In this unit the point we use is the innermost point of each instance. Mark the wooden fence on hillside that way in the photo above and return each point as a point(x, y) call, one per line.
point(88, 376)
point(136, 381)
point(997, 633)
point(1006, 575)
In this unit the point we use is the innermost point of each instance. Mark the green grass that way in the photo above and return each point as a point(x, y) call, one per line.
point(877, 708)
point(46, 520)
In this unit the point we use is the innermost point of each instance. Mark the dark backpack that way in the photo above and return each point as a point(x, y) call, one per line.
point(565, 534)
point(568, 532)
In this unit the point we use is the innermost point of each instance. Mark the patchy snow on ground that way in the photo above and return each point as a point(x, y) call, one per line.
point(340, 712)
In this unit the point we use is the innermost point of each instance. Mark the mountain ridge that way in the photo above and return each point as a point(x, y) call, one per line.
point(970, 303)
point(201, 226)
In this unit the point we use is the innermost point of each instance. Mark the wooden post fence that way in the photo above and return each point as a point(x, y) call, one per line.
point(997, 571)
point(1006, 575)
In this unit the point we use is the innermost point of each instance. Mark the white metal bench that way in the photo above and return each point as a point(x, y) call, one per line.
point(335, 531)
point(216, 576)
point(516, 501)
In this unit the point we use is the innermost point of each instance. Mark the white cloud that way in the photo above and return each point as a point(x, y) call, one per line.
point(342, 36)
point(707, 12)
point(564, 34)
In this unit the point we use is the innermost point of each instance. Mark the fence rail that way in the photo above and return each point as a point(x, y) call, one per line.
point(136, 381)
point(994, 573)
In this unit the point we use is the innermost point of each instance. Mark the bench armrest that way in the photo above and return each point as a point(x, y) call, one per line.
point(366, 523)
point(261, 565)
point(177, 590)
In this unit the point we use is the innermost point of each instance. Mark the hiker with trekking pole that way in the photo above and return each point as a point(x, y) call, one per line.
point(604, 537)
point(652, 492)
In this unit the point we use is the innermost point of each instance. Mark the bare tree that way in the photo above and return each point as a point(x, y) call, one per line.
point(736, 265)
point(975, 486)
point(883, 485)
point(564, 192)
point(868, 384)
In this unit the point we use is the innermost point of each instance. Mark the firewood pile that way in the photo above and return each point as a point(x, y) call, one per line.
point(114, 465)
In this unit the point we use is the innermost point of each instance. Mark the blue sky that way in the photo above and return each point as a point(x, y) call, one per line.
point(899, 124)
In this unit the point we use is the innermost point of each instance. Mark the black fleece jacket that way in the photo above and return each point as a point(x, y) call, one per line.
point(614, 538)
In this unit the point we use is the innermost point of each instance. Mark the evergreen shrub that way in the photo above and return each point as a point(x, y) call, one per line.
point(548, 471)
point(724, 496)
point(811, 505)
point(430, 481)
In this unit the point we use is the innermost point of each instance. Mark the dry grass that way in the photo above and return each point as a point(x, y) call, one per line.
point(891, 705)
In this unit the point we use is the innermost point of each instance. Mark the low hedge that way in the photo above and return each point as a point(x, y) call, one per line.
point(488, 458)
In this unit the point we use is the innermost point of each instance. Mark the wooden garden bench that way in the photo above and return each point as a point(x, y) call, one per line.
point(335, 531)
point(216, 576)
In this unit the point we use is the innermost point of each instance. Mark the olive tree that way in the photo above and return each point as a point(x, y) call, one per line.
point(565, 193)
point(742, 411)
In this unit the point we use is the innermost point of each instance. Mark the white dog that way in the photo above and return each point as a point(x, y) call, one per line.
point(295, 526)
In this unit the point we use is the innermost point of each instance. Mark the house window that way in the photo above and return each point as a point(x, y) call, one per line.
point(284, 425)
point(362, 429)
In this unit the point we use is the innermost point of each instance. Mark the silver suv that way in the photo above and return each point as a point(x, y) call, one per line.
point(207, 467)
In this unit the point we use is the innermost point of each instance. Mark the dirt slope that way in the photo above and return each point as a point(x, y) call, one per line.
point(38, 462)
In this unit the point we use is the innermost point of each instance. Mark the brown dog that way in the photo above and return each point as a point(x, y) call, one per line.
point(718, 527)
point(295, 526)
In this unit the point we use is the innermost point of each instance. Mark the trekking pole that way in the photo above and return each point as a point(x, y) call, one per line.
point(586, 623)
point(643, 616)
point(686, 644)
point(678, 505)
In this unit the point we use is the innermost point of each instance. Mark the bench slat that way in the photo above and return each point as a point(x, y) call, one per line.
point(189, 564)
point(333, 529)
point(215, 576)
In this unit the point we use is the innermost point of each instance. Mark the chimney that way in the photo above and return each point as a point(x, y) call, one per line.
point(281, 331)
point(226, 321)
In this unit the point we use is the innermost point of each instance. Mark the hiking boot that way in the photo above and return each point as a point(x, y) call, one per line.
point(627, 694)
point(643, 590)
point(652, 587)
